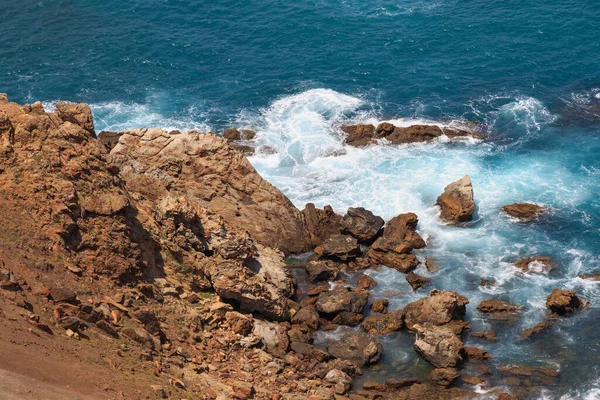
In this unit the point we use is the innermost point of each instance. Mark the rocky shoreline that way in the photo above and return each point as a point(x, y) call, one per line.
point(167, 251)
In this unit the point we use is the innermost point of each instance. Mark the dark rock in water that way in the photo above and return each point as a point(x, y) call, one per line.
point(319, 271)
point(342, 299)
point(457, 203)
point(536, 264)
point(487, 283)
point(444, 377)
point(508, 396)
point(472, 380)
point(359, 135)
point(374, 387)
point(339, 247)
point(244, 149)
point(595, 276)
point(439, 345)
point(362, 135)
point(476, 354)
point(348, 318)
point(380, 306)
point(233, 134)
point(398, 383)
point(416, 281)
point(431, 264)
point(499, 309)
point(534, 331)
point(358, 348)
point(365, 282)
point(525, 212)
point(399, 239)
point(440, 307)
point(527, 370)
point(383, 324)
point(564, 301)
point(431, 392)
point(489, 335)
point(308, 316)
point(362, 224)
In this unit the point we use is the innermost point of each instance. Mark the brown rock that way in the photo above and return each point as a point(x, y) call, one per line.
point(380, 306)
point(339, 247)
point(374, 386)
point(234, 134)
point(535, 330)
point(476, 354)
point(273, 336)
point(78, 114)
point(416, 281)
point(348, 318)
point(384, 323)
point(508, 396)
point(440, 307)
point(472, 380)
point(489, 335)
point(499, 309)
point(63, 295)
point(457, 202)
point(109, 139)
point(342, 299)
point(320, 224)
point(365, 282)
point(340, 379)
point(537, 264)
point(564, 301)
point(308, 316)
point(439, 345)
point(358, 348)
point(319, 271)
point(241, 324)
point(359, 135)
point(400, 383)
point(362, 224)
point(444, 377)
point(431, 265)
point(591, 277)
point(525, 212)
point(144, 338)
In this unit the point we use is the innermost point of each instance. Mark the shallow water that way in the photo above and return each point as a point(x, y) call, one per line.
point(296, 71)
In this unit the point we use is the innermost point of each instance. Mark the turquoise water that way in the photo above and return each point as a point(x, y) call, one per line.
point(294, 71)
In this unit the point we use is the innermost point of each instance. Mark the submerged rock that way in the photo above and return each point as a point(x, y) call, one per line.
point(362, 224)
point(564, 301)
point(536, 264)
point(358, 348)
point(488, 335)
point(499, 309)
point(595, 276)
point(534, 331)
point(444, 377)
point(416, 281)
point(457, 203)
point(525, 212)
point(319, 271)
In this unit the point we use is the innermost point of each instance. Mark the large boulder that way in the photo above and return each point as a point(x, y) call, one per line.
point(319, 271)
point(342, 299)
point(440, 307)
point(358, 348)
point(362, 224)
point(525, 212)
point(207, 171)
point(359, 135)
point(457, 203)
point(394, 247)
point(78, 114)
point(439, 345)
point(564, 301)
point(339, 247)
point(536, 264)
point(382, 324)
point(320, 223)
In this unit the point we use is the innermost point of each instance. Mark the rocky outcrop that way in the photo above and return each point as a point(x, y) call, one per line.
point(536, 264)
point(439, 345)
point(525, 212)
point(499, 309)
point(380, 306)
point(457, 203)
point(342, 299)
point(444, 377)
point(234, 134)
point(399, 239)
point(564, 301)
point(416, 281)
point(319, 224)
point(365, 134)
point(362, 224)
point(339, 247)
point(439, 308)
point(535, 330)
point(319, 271)
point(78, 114)
point(382, 324)
point(358, 348)
point(156, 164)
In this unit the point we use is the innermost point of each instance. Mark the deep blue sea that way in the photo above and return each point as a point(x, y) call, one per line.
point(295, 70)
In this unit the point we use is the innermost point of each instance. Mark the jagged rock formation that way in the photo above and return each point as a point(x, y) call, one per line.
point(457, 202)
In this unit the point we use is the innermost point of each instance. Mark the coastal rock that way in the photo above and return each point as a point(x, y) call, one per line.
point(362, 224)
point(320, 224)
point(153, 162)
point(319, 271)
point(359, 135)
point(383, 324)
point(399, 239)
point(78, 114)
point(380, 306)
point(476, 354)
point(339, 247)
point(340, 379)
point(537, 264)
point(234, 134)
point(439, 345)
point(365, 282)
point(595, 276)
point(524, 212)
point(273, 336)
point(457, 202)
point(342, 299)
point(444, 377)
point(109, 139)
point(564, 301)
point(308, 316)
point(358, 348)
point(432, 265)
point(488, 335)
point(348, 318)
point(535, 330)
point(440, 307)
point(499, 309)
point(416, 281)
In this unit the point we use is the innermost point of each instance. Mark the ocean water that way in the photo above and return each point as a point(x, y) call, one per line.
point(295, 71)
